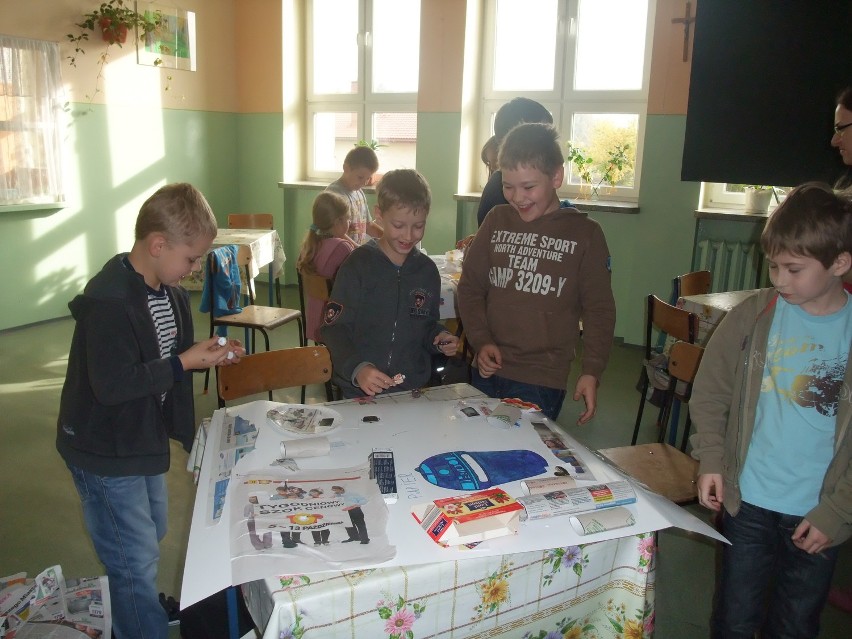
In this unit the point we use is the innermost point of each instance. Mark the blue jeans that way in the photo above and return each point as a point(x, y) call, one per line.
point(548, 399)
point(126, 519)
point(762, 563)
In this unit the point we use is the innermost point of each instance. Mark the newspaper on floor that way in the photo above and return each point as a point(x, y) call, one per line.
point(50, 607)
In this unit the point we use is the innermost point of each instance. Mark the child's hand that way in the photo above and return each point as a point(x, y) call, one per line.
point(235, 346)
point(204, 354)
point(447, 343)
point(711, 492)
point(587, 388)
point(489, 360)
point(372, 381)
point(809, 538)
point(463, 243)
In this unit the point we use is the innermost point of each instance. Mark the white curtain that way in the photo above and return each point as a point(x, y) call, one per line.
point(30, 116)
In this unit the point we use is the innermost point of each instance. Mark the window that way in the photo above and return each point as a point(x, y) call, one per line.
point(587, 61)
point(363, 73)
point(732, 196)
point(30, 110)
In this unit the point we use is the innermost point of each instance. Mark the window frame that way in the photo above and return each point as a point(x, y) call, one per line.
point(365, 102)
point(564, 101)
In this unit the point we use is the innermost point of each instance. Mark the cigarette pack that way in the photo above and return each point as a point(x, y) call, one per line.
point(469, 518)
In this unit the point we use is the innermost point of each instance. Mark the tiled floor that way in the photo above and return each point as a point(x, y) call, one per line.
point(42, 521)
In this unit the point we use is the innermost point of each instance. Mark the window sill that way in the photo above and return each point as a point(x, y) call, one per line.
point(49, 206)
point(708, 213)
point(310, 185)
point(590, 206)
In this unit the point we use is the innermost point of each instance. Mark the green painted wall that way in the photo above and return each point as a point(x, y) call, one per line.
point(116, 157)
point(236, 161)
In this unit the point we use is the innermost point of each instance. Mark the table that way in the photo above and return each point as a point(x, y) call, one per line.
point(547, 578)
point(266, 249)
point(711, 308)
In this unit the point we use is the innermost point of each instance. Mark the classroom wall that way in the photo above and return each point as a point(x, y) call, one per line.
point(221, 128)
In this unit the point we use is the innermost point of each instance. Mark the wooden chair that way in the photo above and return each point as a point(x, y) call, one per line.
point(694, 283)
point(265, 372)
point(662, 467)
point(318, 287)
point(252, 316)
point(256, 221)
point(684, 359)
point(669, 320)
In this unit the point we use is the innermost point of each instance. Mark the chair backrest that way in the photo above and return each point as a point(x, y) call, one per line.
point(316, 286)
point(271, 370)
point(670, 320)
point(250, 221)
point(311, 285)
point(695, 283)
point(684, 359)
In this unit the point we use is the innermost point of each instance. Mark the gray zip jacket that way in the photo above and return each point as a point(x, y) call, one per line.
point(723, 405)
point(383, 315)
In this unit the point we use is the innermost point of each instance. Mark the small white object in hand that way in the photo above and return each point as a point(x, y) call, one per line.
point(223, 341)
point(230, 354)
point(399, 378)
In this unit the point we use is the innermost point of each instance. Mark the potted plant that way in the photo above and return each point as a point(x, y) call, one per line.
point(113, 19)
point(757, 197)
point(609, 171)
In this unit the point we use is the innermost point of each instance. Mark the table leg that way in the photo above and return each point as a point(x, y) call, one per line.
point(233, 613)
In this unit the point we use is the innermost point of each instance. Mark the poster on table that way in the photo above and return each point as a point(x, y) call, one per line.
point(306, 522)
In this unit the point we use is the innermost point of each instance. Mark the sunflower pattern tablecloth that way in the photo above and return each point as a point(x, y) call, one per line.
point(594, 591)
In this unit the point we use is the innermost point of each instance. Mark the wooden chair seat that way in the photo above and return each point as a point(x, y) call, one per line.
point(661, 467)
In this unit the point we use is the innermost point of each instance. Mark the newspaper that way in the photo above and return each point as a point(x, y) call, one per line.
point(50, 607)
point(576, 500)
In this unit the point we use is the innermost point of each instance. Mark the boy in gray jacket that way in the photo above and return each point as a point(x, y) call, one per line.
point(381, 322)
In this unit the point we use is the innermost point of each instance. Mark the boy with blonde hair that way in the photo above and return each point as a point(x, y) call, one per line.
point(359, 165)
point(531, 274)
point(772, 415)
point(128, 389)
point(381, 323)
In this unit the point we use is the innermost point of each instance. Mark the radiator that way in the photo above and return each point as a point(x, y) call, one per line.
point(735, 266)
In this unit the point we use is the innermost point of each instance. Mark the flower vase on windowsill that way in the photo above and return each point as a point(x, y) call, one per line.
point(757, 198)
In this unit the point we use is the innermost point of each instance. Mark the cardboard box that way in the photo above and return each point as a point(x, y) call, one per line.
point(471, 518)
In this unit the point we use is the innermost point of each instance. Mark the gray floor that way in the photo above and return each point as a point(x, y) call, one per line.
point(42, 521)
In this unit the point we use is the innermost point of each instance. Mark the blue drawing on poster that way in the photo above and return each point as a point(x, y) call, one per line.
point(464, 470)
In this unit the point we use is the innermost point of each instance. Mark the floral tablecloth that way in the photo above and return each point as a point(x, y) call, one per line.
point(594, 591)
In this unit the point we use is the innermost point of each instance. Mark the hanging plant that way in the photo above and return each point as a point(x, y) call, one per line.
point(112, 20)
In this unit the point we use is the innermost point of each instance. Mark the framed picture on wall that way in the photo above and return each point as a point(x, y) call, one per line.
point(172, 44)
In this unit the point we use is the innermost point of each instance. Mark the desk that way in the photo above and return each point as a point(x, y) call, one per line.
point(711, 308)
point(266, 249)
point(542, 579)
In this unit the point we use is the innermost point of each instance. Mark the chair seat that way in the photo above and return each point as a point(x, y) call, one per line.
point(662, 468)
point(266, 317)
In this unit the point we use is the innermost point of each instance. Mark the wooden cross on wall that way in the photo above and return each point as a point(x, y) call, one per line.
point(687, 21)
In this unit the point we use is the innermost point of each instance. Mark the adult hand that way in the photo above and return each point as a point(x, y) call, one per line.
point(809, 538)
point(587, 389)
point(711, 491)
point(372, 381)
point(447, 343)
point(489, 360)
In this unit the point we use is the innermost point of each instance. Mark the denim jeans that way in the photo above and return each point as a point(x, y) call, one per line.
point(548, 399)
point(126, 519)
point(762, 563)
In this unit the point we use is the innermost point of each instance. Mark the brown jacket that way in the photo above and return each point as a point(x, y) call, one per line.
point(525, 286)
